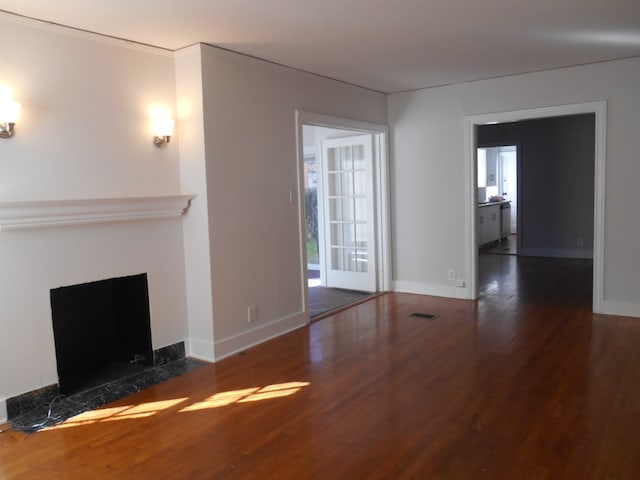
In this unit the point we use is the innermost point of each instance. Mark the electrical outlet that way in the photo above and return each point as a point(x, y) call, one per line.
point(252, 313)
point(451, 274)
point(580, 242)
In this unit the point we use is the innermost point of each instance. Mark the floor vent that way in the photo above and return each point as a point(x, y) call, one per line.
point(428, 316)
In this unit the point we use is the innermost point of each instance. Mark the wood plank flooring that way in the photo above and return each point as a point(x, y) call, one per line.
point(526, 383)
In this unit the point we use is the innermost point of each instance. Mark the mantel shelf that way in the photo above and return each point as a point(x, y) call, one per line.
point(57, 213)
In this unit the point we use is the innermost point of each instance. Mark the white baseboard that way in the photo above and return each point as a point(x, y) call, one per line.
point(200, 349)
point(3, 410)
point(236, 343)
point(620, 308)
point(430, 289)
point(554, 252)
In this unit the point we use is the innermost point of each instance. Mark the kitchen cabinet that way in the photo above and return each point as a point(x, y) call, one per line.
point(489, 223)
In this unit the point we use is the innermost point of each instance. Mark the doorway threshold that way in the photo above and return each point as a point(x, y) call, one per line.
point(342, 300)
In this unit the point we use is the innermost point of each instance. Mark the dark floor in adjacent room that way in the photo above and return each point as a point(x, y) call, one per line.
point(506, 246)
point(325, 299)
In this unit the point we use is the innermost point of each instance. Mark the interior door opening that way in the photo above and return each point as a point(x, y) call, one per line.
point(497, 177)
point(344, 237)
point(555, 216)
point(338, 178)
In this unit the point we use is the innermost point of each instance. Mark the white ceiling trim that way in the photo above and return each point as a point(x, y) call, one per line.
point(84, 34)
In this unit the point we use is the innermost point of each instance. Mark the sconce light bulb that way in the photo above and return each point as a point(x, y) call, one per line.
point(9, 111)
point(9, 114)
point(162, 130)
point(163, 127)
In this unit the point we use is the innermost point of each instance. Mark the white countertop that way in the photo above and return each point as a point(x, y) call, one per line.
point(488, 204)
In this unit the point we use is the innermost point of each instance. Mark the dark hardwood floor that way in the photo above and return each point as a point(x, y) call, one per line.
point(526, 383)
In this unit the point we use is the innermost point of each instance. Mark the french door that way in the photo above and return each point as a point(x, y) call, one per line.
point(348, 218)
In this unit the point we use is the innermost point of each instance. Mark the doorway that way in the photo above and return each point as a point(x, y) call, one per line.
point(345, 235)
point(557, 156)
point(497, 180)
point(598, 109)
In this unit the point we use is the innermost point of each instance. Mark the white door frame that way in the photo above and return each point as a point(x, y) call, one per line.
point(381, 186)
point(599, 108)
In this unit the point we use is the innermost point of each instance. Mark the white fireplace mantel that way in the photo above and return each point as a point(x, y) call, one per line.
point(57, 213)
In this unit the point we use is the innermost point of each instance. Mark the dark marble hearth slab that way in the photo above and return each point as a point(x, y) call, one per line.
point(20, 404)
point(169, 354)
point(49, 409)
point(24, 403)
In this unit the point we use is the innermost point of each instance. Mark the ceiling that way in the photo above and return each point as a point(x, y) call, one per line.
point(384, 45)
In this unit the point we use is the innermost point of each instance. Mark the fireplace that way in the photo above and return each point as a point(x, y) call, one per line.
point(102, 331)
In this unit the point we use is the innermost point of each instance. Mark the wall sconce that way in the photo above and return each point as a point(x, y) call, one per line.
point(9, 113)
point(162, 128)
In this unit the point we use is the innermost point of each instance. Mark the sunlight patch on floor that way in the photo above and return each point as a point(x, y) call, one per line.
point(126, 412)
point(148, 409)
point(247, 395)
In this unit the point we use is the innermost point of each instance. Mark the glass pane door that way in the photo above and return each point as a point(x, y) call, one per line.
point(348, 212)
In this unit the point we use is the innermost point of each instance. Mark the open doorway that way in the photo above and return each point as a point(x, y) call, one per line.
point(557, 181)
point(497, 172)
point(338, 173)
point(345, 210)
point(562, 202)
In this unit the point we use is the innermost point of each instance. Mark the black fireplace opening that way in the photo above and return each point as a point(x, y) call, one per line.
point(102, 331)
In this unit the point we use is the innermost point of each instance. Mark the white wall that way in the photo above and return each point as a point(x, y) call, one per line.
point(84, 133)
point(428, 170)
point(250, 137)
point(193, 178)
point(84, 127)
